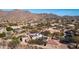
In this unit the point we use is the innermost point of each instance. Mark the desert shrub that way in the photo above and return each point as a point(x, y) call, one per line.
point(33, 31)
point(37, 41)
point(24, 27)
point(46, 33)
point(76, 40)
point(2, 35)
point(9, 28)
point(40, 25)
point(61, 33)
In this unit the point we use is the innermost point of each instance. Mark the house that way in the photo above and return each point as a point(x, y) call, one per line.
point(35, 36)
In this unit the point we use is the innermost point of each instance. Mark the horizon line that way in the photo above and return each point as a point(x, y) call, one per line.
point(59, 12)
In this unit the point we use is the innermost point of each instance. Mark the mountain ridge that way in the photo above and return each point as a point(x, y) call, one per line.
point(21, 16)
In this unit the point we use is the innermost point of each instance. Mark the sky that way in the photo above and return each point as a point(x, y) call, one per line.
point(60, 12)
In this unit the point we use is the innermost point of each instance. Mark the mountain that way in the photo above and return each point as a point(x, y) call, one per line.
point(21, 16)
